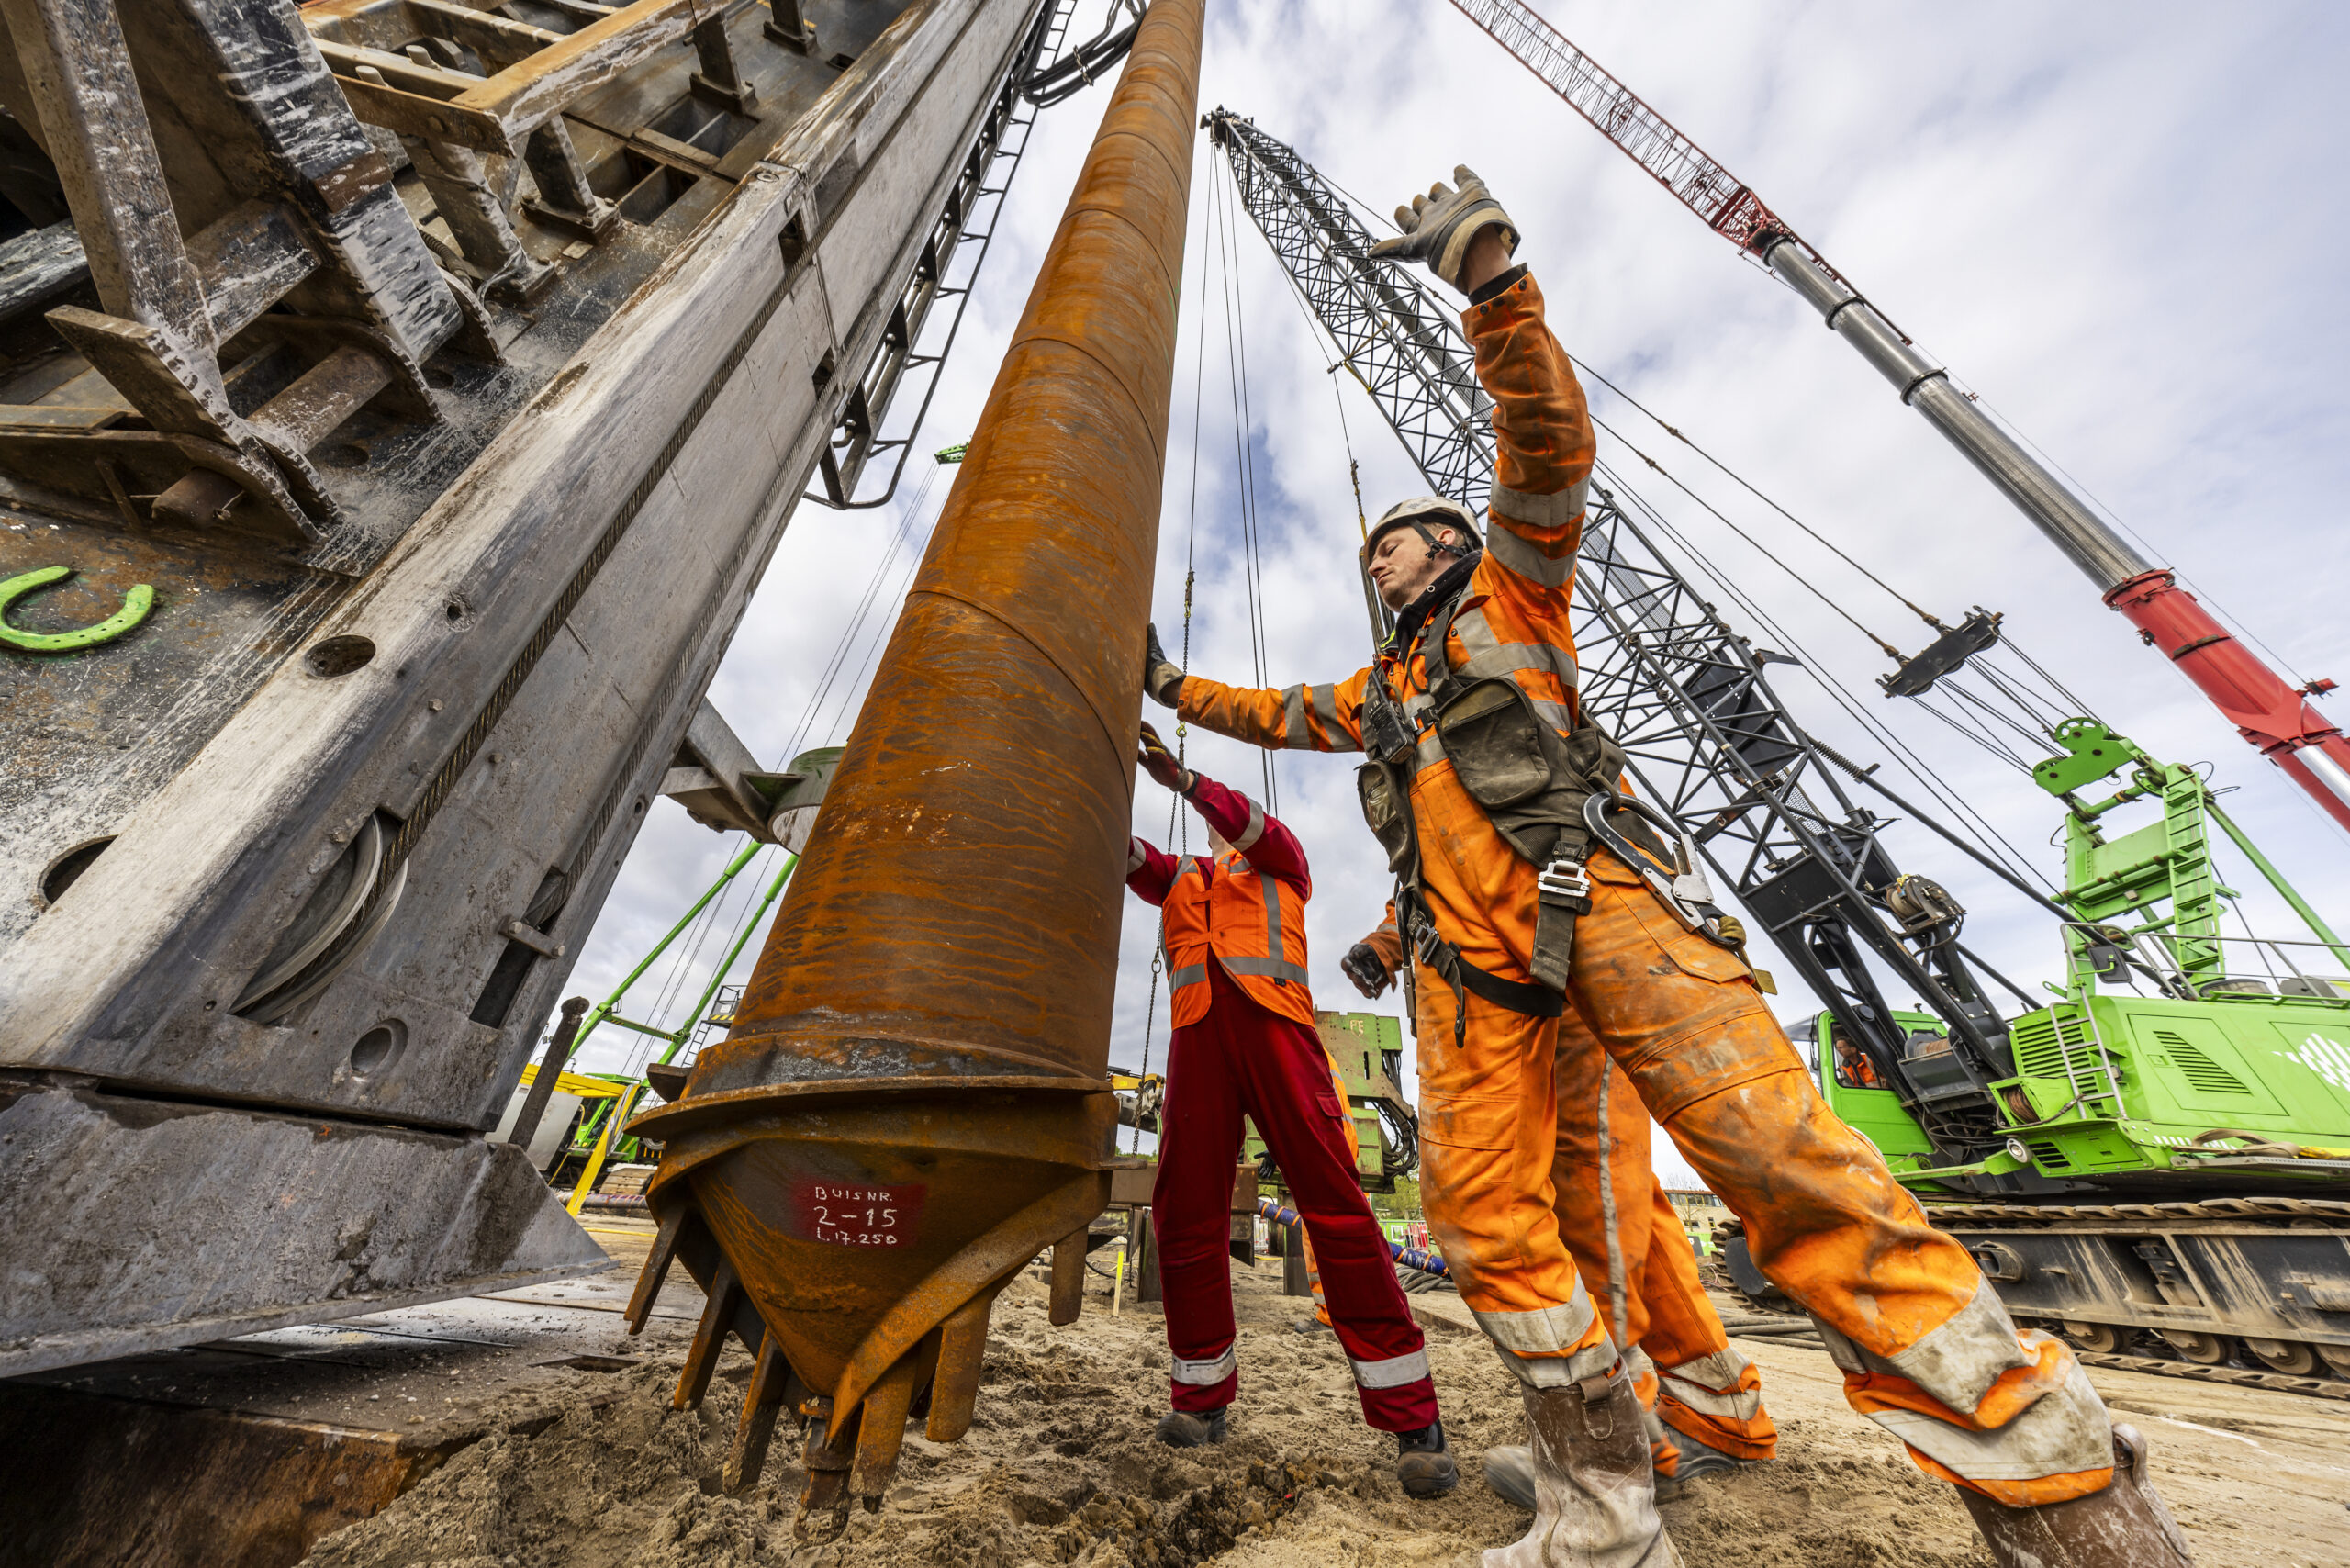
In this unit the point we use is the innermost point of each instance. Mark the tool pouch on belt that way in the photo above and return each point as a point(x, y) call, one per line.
point(1532, 783)
point(1384, 783)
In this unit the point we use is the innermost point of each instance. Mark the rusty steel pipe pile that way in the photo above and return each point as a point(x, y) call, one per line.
point(913, 1102)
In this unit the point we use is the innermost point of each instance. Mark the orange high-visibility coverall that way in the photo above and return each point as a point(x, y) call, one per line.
point(1686, 1374)
point(1699, 1386)
point(1927, 1347)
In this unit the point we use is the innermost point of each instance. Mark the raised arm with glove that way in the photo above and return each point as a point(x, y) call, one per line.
point(1480, 784)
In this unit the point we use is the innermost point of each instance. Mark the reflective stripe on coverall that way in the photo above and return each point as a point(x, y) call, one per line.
point(1697, 1384)
point(1253, 927)
point(1354, 1162)
point(1686, 1374)
point(1927, 1349)
point(1238, 1056)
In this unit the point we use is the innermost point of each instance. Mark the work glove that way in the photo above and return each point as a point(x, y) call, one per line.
point(1371, 963)
point(1438, 225)
point(1162, 682)
point(1161, 764)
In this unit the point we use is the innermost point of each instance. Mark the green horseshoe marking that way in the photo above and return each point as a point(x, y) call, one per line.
point(135, 606)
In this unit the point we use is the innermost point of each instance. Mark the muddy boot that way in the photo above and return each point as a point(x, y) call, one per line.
point(1424, 1463)
point(1700, 1460)
point(1510, 1472)
point(1594, 1504)
point(1189, 1430)
point(2125, 1526)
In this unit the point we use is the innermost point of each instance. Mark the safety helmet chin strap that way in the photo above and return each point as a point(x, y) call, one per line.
point(1424, 515)
point(1419, 525)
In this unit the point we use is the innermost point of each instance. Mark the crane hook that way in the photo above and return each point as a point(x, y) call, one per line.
point(135, 606)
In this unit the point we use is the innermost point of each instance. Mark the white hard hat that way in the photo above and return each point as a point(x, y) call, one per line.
point(1425, 513)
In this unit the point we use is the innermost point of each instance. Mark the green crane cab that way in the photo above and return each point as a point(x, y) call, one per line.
point(2179, 1060)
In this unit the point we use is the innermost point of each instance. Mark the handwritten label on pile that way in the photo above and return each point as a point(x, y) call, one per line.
point(852, 1213)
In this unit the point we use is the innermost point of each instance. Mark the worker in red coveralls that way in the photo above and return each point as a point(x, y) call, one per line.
point(1233, 929)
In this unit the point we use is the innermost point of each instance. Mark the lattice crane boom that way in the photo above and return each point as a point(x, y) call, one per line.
point(2271, 714)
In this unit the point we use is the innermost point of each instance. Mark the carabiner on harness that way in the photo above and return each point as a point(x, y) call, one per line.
point(1679, 883)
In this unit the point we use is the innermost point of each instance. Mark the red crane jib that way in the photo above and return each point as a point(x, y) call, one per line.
point(2274, 716)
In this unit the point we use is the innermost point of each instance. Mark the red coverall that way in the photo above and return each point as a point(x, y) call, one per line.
point(1231, 1056)
point(1927, 1349)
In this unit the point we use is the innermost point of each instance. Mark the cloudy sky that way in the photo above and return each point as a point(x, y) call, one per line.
point(2113, 222)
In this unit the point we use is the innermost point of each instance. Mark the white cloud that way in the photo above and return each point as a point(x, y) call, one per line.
point(2115, 222)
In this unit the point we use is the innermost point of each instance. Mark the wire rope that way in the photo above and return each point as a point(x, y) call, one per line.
point(1740, 481)
point(1179, 828)
point(1905, 758)
point(880, 636)
point(1911, 763)
point(864, 607)
point(1243, 464)
point(1760, 548)
point(678, 953)
point(1987, 838)
point(2115, 518)
point(2007, 688)
point(689, 953)
point(1914, 765)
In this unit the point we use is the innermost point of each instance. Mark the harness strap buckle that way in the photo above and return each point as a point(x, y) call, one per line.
point(1564, 878)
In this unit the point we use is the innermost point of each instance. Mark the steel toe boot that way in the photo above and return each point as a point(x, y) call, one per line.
point(2125, 1526)
point(1510, 1471)
point(1186, 1429)
point(1594, 1504)
point(1700, 1460)
point(1424, 1463)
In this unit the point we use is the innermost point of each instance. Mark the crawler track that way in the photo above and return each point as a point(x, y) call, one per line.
point(2256, 1279)
point(2316, 1387)
point(1781, 1327)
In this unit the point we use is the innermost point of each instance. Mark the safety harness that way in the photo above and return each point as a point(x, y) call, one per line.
point(1549, 796)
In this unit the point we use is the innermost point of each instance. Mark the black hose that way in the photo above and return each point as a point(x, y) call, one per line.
point(1073, 73)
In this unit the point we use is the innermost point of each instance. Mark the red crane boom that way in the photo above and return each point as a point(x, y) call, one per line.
point(2270, 712)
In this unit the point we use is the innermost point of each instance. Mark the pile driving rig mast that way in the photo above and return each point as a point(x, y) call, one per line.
point(1709, 741)
point(2271, 714)
point(444, 377)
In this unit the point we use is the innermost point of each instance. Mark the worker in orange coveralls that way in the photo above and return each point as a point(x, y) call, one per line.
point(1521, 903)
point(1244, 1044)
point(1704, 1399)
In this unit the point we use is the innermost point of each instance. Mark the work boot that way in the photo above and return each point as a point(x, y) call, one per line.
point(1189, 1430)
point(2125, 1526)
point(1510, 1472)
point(1700, 1460)
point(1594, 1503)
point(1424, 1463)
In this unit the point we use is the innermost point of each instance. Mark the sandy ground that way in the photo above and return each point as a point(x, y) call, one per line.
point(1060, 1469)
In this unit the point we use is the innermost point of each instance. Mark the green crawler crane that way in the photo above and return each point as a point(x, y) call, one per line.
point(2186, 1103)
